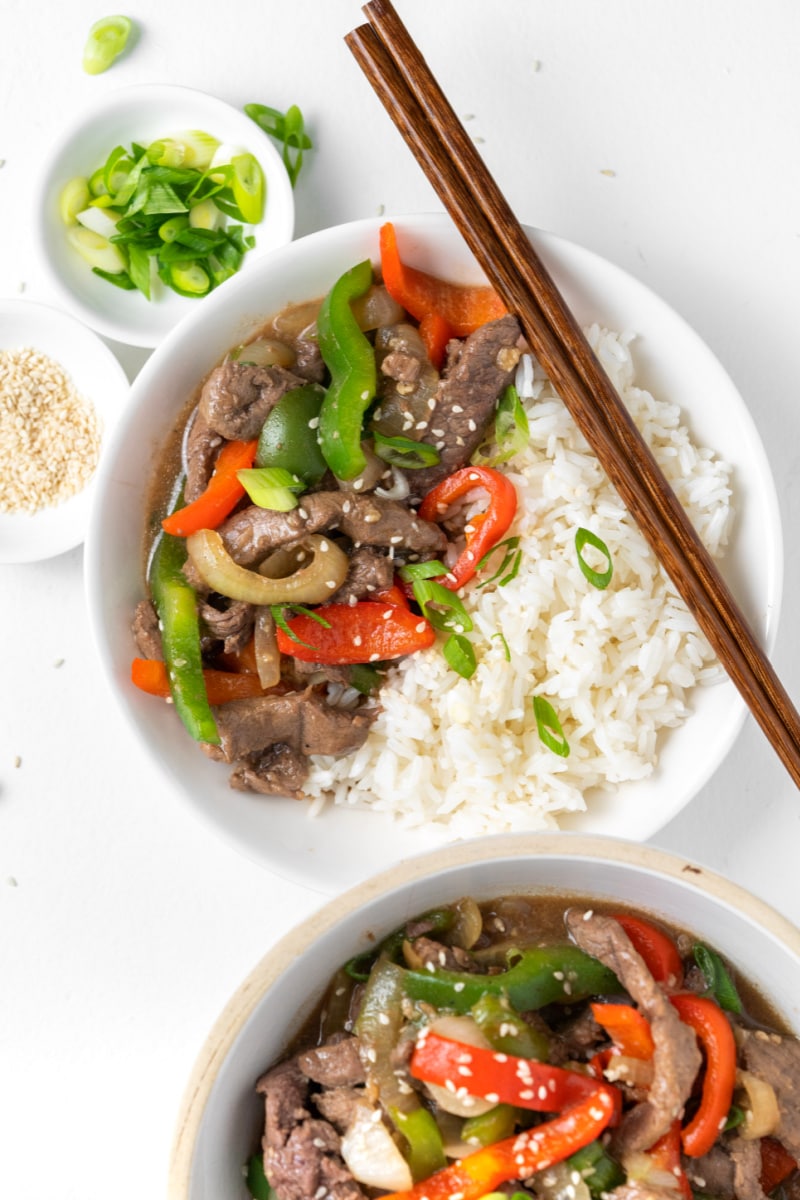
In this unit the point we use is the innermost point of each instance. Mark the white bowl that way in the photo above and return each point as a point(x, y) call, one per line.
point(343, 845)
point(221, 1117)
point(95, 374)
point(142, 114)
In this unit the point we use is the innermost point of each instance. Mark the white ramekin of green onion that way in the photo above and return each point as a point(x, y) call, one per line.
point(152, 202)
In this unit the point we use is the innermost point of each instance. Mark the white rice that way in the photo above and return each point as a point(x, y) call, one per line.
point(616, 664)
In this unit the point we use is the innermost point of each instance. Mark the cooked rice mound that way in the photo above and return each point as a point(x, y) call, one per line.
point(616, 665)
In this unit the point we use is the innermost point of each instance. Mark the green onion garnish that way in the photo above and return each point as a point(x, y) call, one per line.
point(509, 567)
point(271, 487)
point(460, 655)
point(287, 128)
point(404, 452)
point(734, 1118)
point(279, 617)
point(431, 569)
point(511, 431)
point(449, 614)
point(257, 1183)
point(106, 40)
point(504, 643)
point(598, 579)
point(549, 727)
point(718, 981)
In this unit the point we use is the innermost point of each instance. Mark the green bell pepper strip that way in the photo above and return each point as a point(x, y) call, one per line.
point(505, 1030)
point(598, 1169)
point(378, 1026)
point(350, 358)
point(492, 1126)
point(176, 605)
point(440, 920)
point(289, 438)
point(541, 975)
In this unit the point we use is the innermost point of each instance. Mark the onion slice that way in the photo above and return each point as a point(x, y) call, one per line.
point(313, 583)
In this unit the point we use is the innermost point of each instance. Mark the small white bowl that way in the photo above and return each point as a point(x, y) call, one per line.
point(221, 1117)
point(96, 374)
point(143, 114)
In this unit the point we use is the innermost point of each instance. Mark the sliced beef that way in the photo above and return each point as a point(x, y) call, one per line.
point(638, 1189)
point(301, 1153)
point(776, 1060)
point(200, 453)
point(232, 625)
point(338, 1105)
point(578, 1037)
point(676, 1059)
point(712, 1174)
point(251, 534)
point(369, 571)
point(746, 1158)
point(278, 771)
point(237, 397)
point(447, 958)
point(304, 672)
point(337, 1063)
point(309, 364)
point(300, 720)
point(146, 632)
point(467, 396)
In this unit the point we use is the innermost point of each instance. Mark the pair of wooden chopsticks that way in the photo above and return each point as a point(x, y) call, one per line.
point(402, 80)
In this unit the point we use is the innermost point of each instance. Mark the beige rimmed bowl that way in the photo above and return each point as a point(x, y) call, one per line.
point(221, 1116)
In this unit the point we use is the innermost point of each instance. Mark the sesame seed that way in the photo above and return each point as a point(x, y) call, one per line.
point(374, 657)
point(491, 1098)
point(357, 640)
point(457, 987)
point(302, 513)
point(387, 614)
point(457, 408)
point(324, 546)
point(358, 485)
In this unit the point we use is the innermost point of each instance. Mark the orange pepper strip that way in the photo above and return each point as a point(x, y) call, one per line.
point(435, 333)
point(463, 308)
point(716, 1040)
point(627, 1028)
point(518, 1156)
point(223, 493)
point(150, 675)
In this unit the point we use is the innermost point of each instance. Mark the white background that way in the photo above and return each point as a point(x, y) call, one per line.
point(663, 135)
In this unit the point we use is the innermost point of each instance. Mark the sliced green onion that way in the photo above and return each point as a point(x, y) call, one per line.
point(364, 678)
point(96, 249)
point(509, 567)
point(279, 617)
point(598, 579)
point(74, 198)
point(257, 1183)
point(460, 655)
point(718, 981)
point(139, 268)
point(249, 189)
point(449, 615)
point(549, 727)
point(170, 229)
point(107, 39)
point(504, 644)
point(404, 452)
point(431, 569)
point(191, 280)
point(287, 128)
point(271, 487)
point(734, 1119)
point(511, 431)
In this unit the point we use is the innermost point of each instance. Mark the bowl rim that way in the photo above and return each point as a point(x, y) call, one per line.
point(294, 943)
point(107, 323)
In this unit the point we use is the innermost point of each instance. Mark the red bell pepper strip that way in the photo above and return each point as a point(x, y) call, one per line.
point(658, 950)
point(485, 529)
point(394, 594)
point(777, 1164)
point(150, 675)
point(719, 1048)
point(666, 1156)
point(463, 309)
point(628, 1029)
point(359, 633)
point(223, 493)
point(501, 1078)
point(519, 1156)
point(435, 333)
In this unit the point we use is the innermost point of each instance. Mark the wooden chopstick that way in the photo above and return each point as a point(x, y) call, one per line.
point(405, 85)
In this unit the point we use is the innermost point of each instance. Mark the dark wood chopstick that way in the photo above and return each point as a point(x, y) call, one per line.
point(403, 82)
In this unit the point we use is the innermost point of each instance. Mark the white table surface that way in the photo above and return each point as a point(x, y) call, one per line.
point(663, 135)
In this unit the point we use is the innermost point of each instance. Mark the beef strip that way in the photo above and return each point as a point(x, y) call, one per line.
point(466, 399)
point(447, 958)
point(232, 625)
point(251, 534)
point(712, 1174)
point(776, 1060)
point(338, 1105)
point(637, 1189)
point(300, 720)
point(676, 1058)
point(146, 632)
point(309, 363)
point(277, 771)
point(200, 453)
point(238, 397)
point(368, 572)
point(746, 1158)
point(337, 1063)
point(301, 1153)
